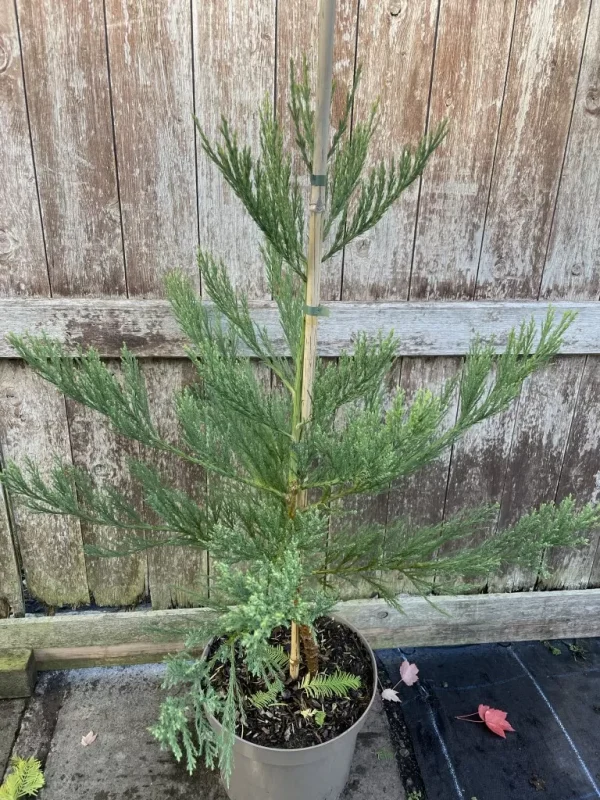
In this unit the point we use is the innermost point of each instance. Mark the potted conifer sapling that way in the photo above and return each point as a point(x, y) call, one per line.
point(280, 692)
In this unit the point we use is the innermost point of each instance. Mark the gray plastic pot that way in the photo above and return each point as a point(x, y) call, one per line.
point(307, 773)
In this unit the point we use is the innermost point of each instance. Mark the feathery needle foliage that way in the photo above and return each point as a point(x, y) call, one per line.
point(275, 562)
point(25, 779)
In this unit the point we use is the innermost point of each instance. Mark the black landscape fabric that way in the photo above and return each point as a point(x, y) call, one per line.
point(551, 692)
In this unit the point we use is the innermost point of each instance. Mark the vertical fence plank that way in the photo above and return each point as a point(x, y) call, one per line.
point(177, 575)
point(580, 477)
point(542, 78)
point(33, 424)
point(419, 499)
point(572, 270)
point(541, 83)
point(395, 47)
point(233, 76)
point(151, 61)
point(468, 85)
point(75, 147)
point(573, 263)
point(544, 415)
point(10, 576)
point(104, 454)
point(23, 267)
point(377, 265)
point(68, 99)
point(297, 33)
point(477, 471)
point(150, 57)
point(73, 202)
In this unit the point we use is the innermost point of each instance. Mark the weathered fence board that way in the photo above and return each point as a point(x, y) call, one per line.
point(10, 576)
point(22, 255)
point(468, 84)
point(96, 102)
point(150, 57)
point(33, 424)
point(395, 46)
point(66, 79)
point(544, 415)
point(572, 266)
point(478, 469)
point(423, 329)
point(541, 83)
point(580, 477)
point(234, 70)
point(297, 31)
point(177, 576)
point(104, 454)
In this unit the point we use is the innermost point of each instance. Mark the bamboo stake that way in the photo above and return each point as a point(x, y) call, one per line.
point(315, 243)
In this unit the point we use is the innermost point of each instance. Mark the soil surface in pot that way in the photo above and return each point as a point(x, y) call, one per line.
point(283, 724)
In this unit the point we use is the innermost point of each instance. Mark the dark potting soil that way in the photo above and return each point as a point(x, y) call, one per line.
point(282, 725)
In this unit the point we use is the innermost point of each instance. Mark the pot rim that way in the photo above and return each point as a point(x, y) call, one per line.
point(315, 747)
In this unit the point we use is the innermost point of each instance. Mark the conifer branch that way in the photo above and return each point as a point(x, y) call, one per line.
point(382, 188)
point(265, 186)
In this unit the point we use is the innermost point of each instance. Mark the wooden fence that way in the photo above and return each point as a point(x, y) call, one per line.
point(103, 189)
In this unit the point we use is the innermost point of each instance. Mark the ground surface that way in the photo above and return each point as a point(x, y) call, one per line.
point(125, 763)
point(551, 692)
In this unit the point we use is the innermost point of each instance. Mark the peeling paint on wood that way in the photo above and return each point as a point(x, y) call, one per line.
point(573, 263)
point(545, 413)
point(468, 85)
point(542, 79)
point(234, 69)
point(23, 269)
point(396, 51)
point(66, 79)
point(150, 56)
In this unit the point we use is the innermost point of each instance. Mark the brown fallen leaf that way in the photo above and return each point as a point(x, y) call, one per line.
point(88, 739)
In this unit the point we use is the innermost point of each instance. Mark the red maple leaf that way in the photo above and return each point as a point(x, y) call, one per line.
point(492, 717)
point(495, 720)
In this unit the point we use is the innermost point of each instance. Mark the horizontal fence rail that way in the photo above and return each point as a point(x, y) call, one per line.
point(89, 638)
point(148, 327)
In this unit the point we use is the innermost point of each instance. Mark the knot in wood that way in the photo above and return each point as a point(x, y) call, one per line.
point(5, 53)
point(8, 243)
point(592, 101)
point(395, 9)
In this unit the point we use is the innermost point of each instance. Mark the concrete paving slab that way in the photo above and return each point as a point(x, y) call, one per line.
point(125, 762)
point(10, 717)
